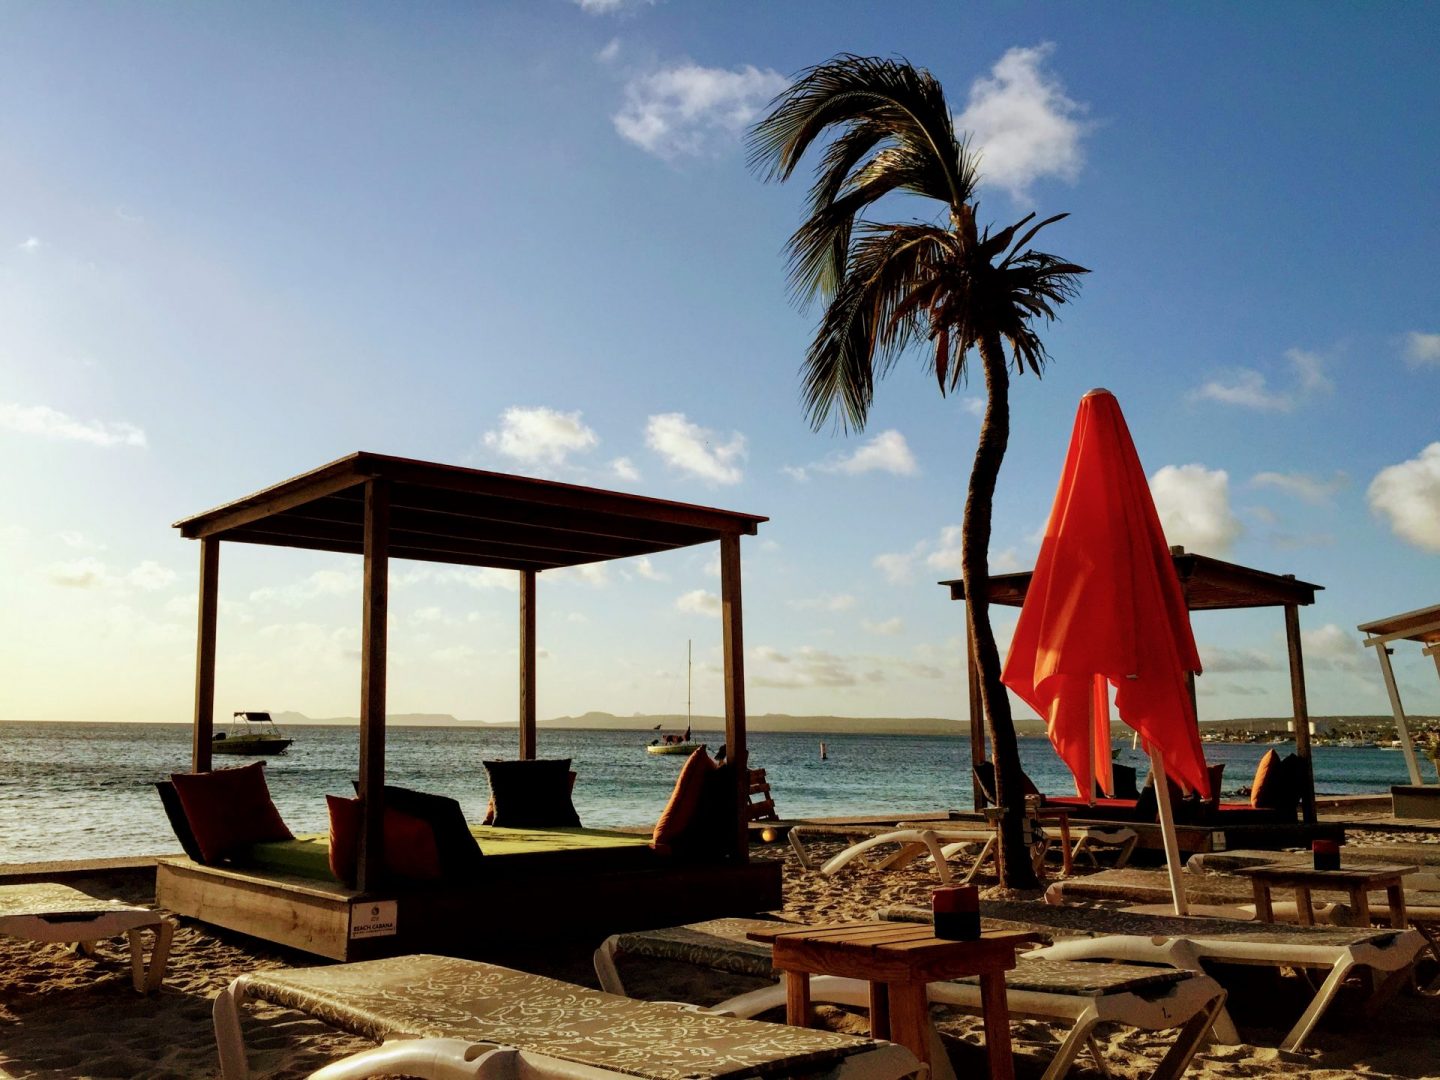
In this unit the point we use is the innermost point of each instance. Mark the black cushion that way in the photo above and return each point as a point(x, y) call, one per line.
point(170, 800)
point(985, 774)
point(454, 843)
point(531, 794)
point(712, 832)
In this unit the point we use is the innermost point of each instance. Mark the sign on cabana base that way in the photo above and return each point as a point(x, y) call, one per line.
point(373, 918)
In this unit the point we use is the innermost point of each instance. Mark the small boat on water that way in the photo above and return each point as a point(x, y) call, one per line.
point(255, 735)
point(677, 744)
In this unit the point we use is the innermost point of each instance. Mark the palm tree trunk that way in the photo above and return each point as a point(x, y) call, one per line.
point(1016, 871)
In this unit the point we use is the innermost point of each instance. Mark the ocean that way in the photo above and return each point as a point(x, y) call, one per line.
point(84, 790)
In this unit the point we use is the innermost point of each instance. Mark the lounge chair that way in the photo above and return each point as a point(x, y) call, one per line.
point(1188, 942)
point(46, 912)
point(1080, 994)
point(440, 1018)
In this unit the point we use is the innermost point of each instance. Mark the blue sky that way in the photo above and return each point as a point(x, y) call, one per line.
point(239, 241)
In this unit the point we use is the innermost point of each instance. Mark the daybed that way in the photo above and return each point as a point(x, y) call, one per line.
point(444, 1018)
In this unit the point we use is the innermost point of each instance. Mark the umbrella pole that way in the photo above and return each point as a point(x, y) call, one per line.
point(1167, 832)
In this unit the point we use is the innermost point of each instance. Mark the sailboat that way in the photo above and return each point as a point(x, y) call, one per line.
point(678, 744)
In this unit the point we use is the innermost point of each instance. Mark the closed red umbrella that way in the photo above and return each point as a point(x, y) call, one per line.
point(1105, 609)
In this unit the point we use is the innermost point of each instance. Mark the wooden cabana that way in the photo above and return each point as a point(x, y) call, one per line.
point(1209, 585)
point(382, 508)
point(1423, 627)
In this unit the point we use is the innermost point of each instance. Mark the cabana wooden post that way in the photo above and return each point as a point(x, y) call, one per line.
point(1422, 626)
point(384, 508)
point(1209, 585)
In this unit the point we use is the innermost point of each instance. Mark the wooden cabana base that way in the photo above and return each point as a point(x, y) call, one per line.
point(486, 920)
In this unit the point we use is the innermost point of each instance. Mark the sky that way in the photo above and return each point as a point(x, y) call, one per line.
point(238, 241)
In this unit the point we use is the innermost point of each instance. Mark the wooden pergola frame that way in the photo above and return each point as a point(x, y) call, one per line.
point(1209, 585)
point(385, 508)
point(1422, 626)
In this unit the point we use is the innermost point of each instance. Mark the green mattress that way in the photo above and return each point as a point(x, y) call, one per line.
point(506, 852)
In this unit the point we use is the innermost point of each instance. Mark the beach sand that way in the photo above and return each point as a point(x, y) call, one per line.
point(65, 1016)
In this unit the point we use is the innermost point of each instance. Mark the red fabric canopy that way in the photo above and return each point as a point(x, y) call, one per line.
point(1105, 605)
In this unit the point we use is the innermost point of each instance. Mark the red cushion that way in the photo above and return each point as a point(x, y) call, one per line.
point(410, 850)
point(684, 801)
point(229, 809)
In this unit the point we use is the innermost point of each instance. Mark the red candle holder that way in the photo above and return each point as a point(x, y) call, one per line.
point(1326, 854)
point(957, 912)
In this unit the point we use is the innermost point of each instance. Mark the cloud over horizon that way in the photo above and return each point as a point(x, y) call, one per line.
point(1023, 124)
point(1250, 389)
point(694, 449)
point(1194, 507)
point(540, 436)
point(1422, 350)
point(1407, 495)
point(686, 110)
point(51, 423)
point(887, 452)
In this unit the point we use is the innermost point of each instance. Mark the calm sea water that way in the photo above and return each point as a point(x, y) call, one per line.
point(76, 791)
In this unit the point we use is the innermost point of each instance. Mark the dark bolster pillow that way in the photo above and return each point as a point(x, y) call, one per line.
point(176, 813)
point(410, 851)
point(531, 794)
point(459, 853)
point(684, 804)
point(229, 809)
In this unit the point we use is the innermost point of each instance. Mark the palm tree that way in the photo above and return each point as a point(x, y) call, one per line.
point(886, 286)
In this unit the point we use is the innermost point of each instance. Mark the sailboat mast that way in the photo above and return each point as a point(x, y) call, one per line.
point(687, 685)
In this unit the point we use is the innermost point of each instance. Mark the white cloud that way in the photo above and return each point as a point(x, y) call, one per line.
point(808, 667)
point(86, 573)
point(946, 557)
point(1330, 647)
point(694, 449)
point(150, 576)
point(317, 584)
point(698, 602)
point(481, 578)
point(540, 436)
point(30, 243)
point(624, 469)
point(975, 406)
point(611, 50)
point(825, 602)
point(1408, 496)
point(689, 111)
point(941, 556)
point(611, 7)
point(80, 541)
point(886, 627)
point(53, 424)
point(898, 567)
point(1422, 350)
point(886, 452)
point(1307, 488)
point(1194, 507)
point(1250, 389)
point(595, 574)
point(644, 568)
point(1220, 660)
point(1023, 124)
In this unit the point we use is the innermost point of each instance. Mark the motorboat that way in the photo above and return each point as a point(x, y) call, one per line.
point(253, 734)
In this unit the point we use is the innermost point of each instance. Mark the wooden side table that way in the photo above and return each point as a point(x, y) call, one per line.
point(1358, 881)
point(897, 960)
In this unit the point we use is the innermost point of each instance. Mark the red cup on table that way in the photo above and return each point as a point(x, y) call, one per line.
point(1327, 854)
point(957, 912)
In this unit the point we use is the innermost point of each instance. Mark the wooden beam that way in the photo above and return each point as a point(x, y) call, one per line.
point(371, 862)
point(334, 477)
point(1301, 710)
point(732, 629)
point(204, 728)
point(528, 654)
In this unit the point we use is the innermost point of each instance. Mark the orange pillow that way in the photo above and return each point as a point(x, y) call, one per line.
point(410, 850)
point(1267, 774)
point(229, 809)
point(680, 811)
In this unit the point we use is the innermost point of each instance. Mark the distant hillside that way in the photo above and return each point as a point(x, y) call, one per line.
point(391, 720)
point(819, 725)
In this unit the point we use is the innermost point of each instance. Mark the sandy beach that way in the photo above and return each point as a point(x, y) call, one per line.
point(68, 1017)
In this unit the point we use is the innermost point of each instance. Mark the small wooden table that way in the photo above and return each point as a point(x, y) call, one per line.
point(897, 960)
point(1358, 881)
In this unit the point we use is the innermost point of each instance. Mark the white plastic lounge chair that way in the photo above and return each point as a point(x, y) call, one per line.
point(1081, 994)
point(47, 912)
point(446, 1019)
point(1186, 943)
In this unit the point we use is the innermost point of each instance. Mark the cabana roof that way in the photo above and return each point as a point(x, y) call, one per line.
point(1422, 625)
point(449, 514)
point(1209, 585)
